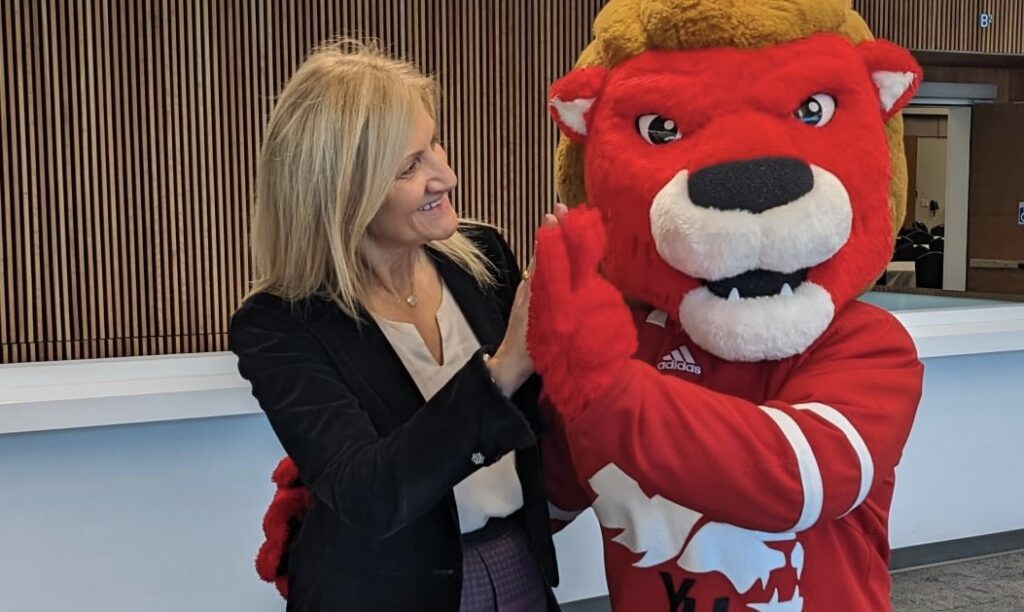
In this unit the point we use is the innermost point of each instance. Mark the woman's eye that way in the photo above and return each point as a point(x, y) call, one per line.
point(817, 110)
point(657, 130)
point(410, 168)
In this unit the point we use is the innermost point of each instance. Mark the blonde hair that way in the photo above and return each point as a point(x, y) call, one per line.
point(331, 153)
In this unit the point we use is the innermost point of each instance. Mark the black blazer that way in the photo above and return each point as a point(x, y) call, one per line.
point(383, 533)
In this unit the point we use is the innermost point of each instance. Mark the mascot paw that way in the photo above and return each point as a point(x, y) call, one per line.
point(281, 523)
point(580, 331)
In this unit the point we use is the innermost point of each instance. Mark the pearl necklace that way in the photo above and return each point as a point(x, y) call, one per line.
point(409, 300)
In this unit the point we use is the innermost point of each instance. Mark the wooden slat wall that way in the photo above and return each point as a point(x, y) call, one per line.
point(129, 133)
point(947, 25)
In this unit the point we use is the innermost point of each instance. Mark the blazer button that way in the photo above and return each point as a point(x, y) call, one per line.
point(477, 458)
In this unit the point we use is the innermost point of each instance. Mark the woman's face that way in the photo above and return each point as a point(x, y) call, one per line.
point(417, 209)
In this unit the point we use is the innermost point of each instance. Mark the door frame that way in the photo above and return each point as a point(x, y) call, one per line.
point(958, 179)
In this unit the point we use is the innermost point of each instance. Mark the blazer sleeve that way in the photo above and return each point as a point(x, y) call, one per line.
point(375, 484)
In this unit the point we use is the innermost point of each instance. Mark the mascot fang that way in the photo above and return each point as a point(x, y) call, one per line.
point(729, 410)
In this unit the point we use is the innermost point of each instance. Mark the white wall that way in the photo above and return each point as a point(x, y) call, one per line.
point(156, 517)
point(931, 180)
point(961, 473)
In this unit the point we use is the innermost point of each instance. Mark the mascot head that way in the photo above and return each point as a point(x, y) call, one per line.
point(746, 157)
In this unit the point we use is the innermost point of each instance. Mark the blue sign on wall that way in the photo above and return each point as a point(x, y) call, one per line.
point(1020, 213)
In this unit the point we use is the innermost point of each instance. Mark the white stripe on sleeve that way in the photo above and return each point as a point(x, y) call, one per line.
point(810, 474)
point(840, 422)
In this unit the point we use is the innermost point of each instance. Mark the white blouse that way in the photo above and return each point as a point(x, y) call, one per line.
point(492, 491)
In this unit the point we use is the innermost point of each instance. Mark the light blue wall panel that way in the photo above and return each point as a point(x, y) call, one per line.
point(160, 517)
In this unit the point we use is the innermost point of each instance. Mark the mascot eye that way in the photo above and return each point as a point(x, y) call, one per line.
point(816, 110)
point(657, 130)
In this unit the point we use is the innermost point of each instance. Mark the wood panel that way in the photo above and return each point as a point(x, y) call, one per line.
point(1017, 85)
point(948, 25)
point(997, 185)
point(1000, 77)
point(129, 133)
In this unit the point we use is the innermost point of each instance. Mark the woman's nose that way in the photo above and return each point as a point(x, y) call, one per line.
point(450, 180)
point(444, 178)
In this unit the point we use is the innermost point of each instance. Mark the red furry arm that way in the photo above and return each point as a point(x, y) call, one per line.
point(581, 332)
point(292, 500)
point(815, 452)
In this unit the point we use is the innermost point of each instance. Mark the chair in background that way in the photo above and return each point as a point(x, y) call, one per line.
point(920, 236)
point(920, 226)
point(938, 245)
point(900, 242)
point(939, 230)
point(928, 270)
point(909, 252)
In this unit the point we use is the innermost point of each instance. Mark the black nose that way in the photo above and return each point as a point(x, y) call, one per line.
point(755, 185)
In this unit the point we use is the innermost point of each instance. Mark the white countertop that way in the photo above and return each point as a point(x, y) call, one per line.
point(92, 392)
point(86, 393)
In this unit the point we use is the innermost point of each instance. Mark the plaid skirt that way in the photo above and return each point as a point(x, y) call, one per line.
point(499, 574)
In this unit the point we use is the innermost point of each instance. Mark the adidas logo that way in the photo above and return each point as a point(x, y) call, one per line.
point(681, 360)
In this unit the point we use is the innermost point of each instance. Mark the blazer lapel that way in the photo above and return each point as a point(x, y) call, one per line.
point(364, 355)
point(479, 306)
point(368, 361)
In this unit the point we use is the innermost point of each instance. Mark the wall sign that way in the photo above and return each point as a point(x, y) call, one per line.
point(1020, 213)
point(985, 19)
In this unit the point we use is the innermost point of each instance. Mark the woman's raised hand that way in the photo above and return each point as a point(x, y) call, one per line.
point(511, 364)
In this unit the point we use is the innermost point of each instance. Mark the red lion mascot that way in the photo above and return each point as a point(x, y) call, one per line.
point(721, 400)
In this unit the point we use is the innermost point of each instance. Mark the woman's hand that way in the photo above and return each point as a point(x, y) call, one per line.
point(552, 220)
point(511, 364)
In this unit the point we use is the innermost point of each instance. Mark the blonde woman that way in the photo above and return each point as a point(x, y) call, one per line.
point(385, 341)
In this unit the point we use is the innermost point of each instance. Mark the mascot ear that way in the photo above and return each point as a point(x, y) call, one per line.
point(895, 72)
point(571, 98)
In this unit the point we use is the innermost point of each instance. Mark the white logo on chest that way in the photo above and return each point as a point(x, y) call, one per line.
point(680, 359)
point(659, 529)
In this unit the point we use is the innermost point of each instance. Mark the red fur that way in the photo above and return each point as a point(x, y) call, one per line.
point(880, 55)
point(584, 83)
point(657, 451)
point(292, 500)
point(286, 473)
point(733, 104)
point(600, 330)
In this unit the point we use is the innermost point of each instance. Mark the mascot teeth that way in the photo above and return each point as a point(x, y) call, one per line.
point(757, 284)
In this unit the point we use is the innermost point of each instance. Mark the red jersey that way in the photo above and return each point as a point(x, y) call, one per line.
point(725, 486)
